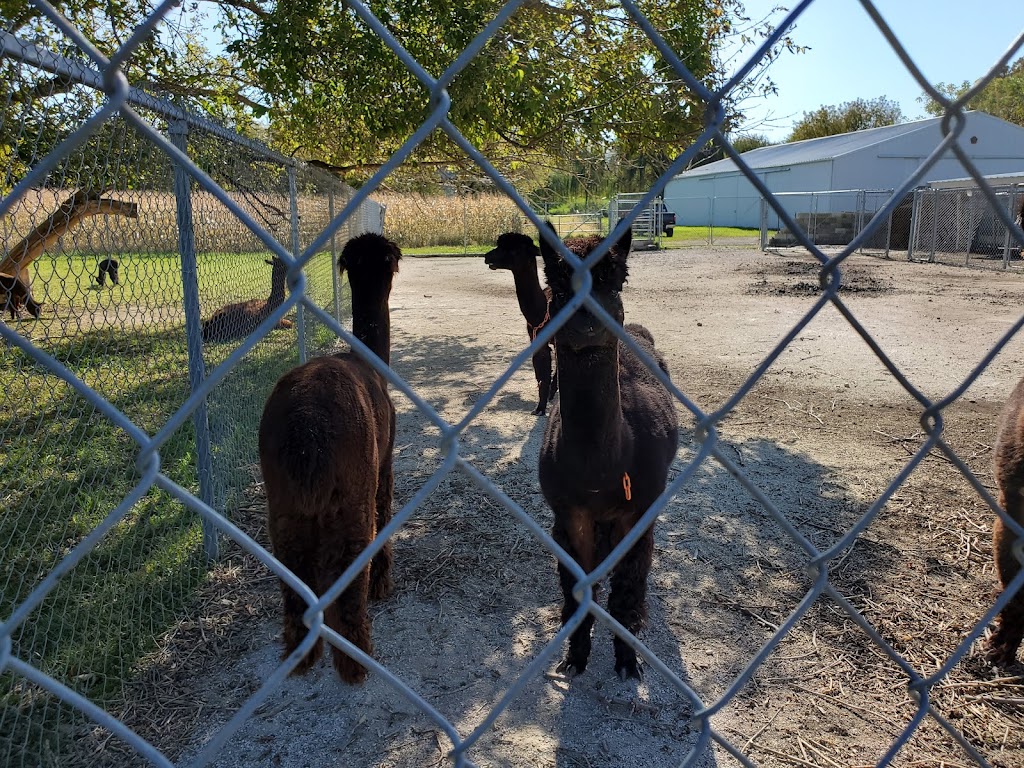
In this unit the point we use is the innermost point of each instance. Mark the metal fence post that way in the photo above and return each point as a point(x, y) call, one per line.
point(193, 330)
point(335, 281)
point(888, 233)
point(1012, 203)
point(858, 221)
point(300, 315)
point(763, 235)
point(711, 223)
point(935, 224)
point(915, 220)
point(969, 234)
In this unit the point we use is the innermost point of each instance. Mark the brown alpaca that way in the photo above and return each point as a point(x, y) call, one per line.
point(518, 254)
point(326, 441)
point(609, 442)
point(235, 321)
point(15, 296)
point(1009, 470)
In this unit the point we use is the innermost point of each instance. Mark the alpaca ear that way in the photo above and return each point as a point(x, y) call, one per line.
point(396, 255)
point(549, 253)
point(625, 241)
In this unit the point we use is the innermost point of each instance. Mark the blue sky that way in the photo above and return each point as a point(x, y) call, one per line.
point(950, 40)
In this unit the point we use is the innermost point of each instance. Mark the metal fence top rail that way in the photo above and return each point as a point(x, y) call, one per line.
point(836, 192)
point(16, 48)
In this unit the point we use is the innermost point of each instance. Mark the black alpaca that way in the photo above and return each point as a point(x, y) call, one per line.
point(1004, 642)
point(518, 254)
point(15, 296)
point(108, 267)
point(326, 442)
point(607, 449)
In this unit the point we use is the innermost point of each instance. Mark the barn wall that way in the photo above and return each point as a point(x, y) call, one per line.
point(999, 149)
point(730, 200)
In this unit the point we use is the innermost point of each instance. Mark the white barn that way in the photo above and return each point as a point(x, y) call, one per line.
point(878, 158)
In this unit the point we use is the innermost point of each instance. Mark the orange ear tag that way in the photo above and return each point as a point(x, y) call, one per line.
point(627, 486)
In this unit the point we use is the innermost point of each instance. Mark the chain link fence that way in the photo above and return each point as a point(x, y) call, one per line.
point(964, 226)
point(147, 282)
point(109, 394)
point(830, 218)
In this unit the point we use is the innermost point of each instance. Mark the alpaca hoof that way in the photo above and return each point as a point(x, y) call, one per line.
point(306, 663)
point(571, 668)
point(381, 589)
point(349, 670)
point(539, 411)
point(629, 671)
point(1000, 652)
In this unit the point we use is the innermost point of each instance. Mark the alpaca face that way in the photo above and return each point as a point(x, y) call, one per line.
point(514, 251)
point(372, 262)
point(584, 330)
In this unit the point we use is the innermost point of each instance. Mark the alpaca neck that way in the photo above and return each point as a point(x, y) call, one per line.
point(532, 301)
point(276, 298)
point(371, 324)
point(277, 281)
point(591, 410)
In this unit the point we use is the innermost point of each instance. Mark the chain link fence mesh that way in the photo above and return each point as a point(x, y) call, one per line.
point(106, 477)
point(963, 226)
point(831, 218)
point(123, 332)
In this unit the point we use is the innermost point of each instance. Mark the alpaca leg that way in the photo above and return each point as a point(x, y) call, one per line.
point(542, 372)
point(347, 615)
point(574, 532)
point(381, 584)
point(1006, 639)
point(627, 601)
point(343, 537)
point(291, 539)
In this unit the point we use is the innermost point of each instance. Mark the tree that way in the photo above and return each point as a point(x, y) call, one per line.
point(748, 141)
point(558, 80)
point(1003, 97)
point(855, 115)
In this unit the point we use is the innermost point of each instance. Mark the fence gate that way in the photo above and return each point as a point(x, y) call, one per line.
point(649, 222)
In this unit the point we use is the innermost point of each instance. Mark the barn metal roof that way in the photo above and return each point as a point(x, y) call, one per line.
point(813, 150)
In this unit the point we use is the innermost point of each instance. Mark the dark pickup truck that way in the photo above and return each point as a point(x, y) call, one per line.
point(668, 218)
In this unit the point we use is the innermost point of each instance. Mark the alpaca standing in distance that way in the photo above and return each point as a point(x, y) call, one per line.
point(326, 442)
point(610, 440)
point(517, 253)
point(235, 321)
point(108, 268)
point(1004, 642)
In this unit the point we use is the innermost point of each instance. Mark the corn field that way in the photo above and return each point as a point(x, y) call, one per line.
point(415, 221)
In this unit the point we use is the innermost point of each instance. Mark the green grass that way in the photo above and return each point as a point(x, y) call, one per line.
point(473, 249)
point(65, 467)
point(686, 234)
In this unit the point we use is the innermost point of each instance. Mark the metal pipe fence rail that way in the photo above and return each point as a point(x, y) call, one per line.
point(119, 394)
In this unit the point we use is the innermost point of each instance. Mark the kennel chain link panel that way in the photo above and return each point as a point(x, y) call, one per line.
point(219, 207)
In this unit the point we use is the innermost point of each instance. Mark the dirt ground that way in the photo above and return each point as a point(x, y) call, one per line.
point(821, 434)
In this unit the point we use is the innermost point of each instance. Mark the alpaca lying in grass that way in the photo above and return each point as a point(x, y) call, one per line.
point(518, 254)
point(326, 441)
point(235, 321)
point(609, 442)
